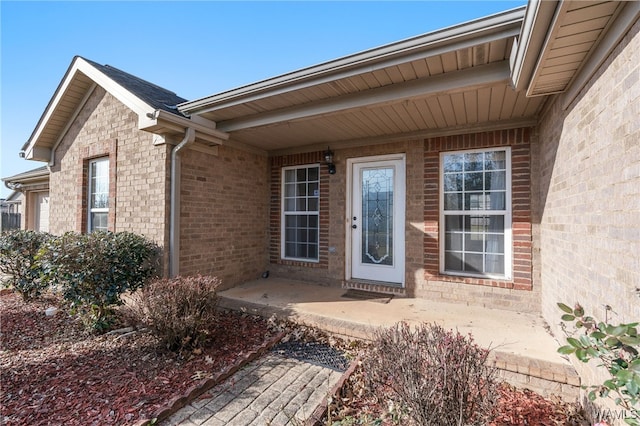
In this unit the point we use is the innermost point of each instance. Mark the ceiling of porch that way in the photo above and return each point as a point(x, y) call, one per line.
point(455, 79)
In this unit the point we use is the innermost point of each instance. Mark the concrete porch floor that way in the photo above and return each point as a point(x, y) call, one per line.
point(523, 348)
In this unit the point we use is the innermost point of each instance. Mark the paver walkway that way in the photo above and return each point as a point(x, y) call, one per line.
point(273, 390)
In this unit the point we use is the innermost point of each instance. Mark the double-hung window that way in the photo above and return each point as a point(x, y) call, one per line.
point(98, 195)
point(476, 213)
point(300, 212)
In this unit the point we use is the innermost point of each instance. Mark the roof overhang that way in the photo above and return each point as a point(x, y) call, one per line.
point(72, 93)
point(564, 42)
point(457, 77)
point(27, 179)
point(489, 73)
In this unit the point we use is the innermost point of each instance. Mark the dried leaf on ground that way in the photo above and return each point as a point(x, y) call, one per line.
point(52, 372)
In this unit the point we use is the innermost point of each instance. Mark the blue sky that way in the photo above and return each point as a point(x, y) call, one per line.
point(192, 48)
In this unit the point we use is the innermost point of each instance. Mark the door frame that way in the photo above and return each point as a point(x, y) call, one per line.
point(349, 210)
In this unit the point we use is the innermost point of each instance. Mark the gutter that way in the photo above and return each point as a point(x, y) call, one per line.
point(174, 220)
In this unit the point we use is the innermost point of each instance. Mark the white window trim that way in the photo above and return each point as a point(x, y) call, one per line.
point(508, 239)
point(283, 214)
point(88, 189)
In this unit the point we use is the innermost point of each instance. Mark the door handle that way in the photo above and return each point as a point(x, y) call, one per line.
point(354, 226)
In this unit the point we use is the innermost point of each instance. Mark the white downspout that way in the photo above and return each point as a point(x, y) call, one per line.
point(174, 221)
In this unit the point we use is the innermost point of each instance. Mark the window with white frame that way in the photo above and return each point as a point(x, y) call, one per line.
point(475, 216)
point(98, 195)
point(300, 212)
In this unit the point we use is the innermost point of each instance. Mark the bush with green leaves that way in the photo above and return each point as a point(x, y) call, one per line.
point(616, 346)
point(179, 311)
point(94, 270)
point(436, 376)
point(18, 250)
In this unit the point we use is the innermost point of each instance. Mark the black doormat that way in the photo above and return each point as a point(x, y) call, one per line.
point(370, 296)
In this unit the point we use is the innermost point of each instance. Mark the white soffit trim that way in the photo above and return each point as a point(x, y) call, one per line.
point(538, 16)
point(623, 23)
point(503, 25)
point(475, 76)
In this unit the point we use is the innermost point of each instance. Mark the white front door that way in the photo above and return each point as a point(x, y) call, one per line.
point(377, 218)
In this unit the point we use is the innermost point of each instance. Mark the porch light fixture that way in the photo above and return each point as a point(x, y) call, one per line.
point(328, 158)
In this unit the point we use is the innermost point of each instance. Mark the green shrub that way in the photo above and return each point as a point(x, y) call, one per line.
point(18, 250)
point(617, 347)
point(94, 270)
point(178, 311)
point(436, 376)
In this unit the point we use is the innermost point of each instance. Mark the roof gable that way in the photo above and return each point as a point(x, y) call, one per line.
point(144, 98)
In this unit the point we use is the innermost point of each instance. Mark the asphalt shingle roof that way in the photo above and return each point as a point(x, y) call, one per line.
point(156, 96)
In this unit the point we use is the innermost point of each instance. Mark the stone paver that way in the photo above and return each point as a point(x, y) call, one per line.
point(273, 390)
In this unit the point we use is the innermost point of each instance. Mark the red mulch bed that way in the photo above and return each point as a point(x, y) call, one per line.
point(354, 405)
point(52, 372)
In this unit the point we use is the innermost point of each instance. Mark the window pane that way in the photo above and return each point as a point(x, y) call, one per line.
point(313, 173)
point(301, 174)
point(453, 162)
point(453, 261)
point(473, 181)
point(313, 189)
point(289, 190)
point(474, 161)
point(494, 264)
point(473, 262)
point(99, 221)
point(495, 160)
point(313, 205)
point(497, 200)
point(453, 223)
point(301, 190)
point(495, 180)
point(301, 204)
point(453, 182)
point(494, 243)
point(496, 223)
point(453, 241)
point(474, 242)
point(290, 204)
point(453, 201)
point(475, 201)
point(312, 251)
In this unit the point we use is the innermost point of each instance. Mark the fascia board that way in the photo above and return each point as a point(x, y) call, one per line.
point(503, 25)
point(203, 130)
point(527, 50)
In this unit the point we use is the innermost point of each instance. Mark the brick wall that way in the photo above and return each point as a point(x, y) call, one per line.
point(224, 215)
point(310, 271)
point(590, 194)
point(138, 171)
point(518, 293)
point(331, 268)
point(422, 278)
